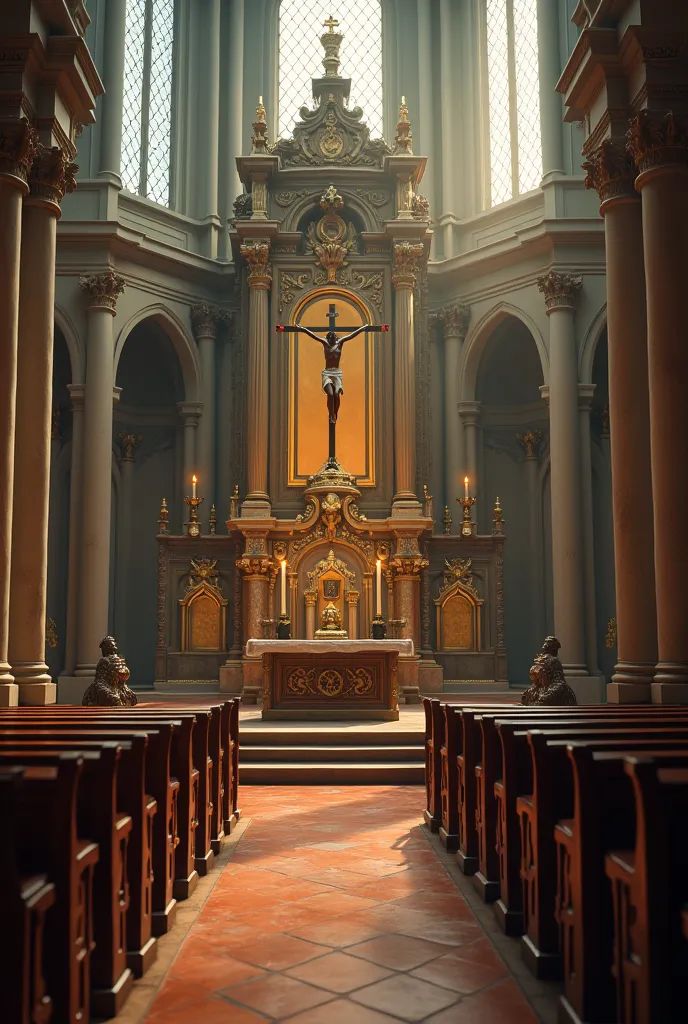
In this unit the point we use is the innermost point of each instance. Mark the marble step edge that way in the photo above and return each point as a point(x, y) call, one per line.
point(281, 754)
point(315, 737)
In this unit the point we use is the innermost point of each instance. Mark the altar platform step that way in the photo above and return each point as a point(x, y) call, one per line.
point(313, 753)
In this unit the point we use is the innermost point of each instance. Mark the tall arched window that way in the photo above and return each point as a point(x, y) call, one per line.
point(300, 56)
point(147, 113)
point(511, 52)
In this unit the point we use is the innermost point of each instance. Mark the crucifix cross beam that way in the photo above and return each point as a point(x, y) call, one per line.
point(332, 344)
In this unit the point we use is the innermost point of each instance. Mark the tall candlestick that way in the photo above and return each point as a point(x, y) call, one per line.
point(378, 604)
point(193, 486)
point(283, 589)
point(465, 486)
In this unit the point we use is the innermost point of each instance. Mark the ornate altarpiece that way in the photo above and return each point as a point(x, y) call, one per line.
point(333, 215)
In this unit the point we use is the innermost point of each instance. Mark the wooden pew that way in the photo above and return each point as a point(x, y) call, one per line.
point(48, 844)
point(26, 900)
point(650, 886)
point(98, 818)
point(449, 829)
point(551, 799)
point(603, 817)
point(434, 720)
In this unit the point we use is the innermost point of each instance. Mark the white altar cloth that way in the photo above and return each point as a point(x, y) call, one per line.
point(256, 648)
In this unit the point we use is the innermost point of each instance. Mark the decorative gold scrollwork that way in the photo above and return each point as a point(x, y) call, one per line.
point(330, 683)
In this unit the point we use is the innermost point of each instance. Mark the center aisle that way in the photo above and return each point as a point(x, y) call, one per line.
point(335, 909)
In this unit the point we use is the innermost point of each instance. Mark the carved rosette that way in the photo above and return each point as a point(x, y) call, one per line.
point(406, 256)
point(658, 140)
point(18, 147)
point(103, 290)
point(610, 170)
point(454, 320)
point(559, 289)
point(530, 442)
point(51, 176)
point(257, 255)
point(206, 320)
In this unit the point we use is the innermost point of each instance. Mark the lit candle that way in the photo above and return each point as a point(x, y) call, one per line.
point(465, 485)
point(378, 605)
point(193, 486)
point(283, 589)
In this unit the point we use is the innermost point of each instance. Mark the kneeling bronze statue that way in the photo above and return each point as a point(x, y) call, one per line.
point(549, 686)
point(109, 687)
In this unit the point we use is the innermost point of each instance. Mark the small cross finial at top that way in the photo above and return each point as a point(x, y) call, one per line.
point(331, 23)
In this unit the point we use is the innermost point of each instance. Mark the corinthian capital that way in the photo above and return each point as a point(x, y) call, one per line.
point(454, 320)
point(406, 256)
point(559, 289)
point(656, 140)
point(18, 146)
point(103, 289)
point(51, 175)
point(206, 319)
point(257, 254)
point(610, 170)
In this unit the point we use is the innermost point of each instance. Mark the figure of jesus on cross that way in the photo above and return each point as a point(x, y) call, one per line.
point(332, 375)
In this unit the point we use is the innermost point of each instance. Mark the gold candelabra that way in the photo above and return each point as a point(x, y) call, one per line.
point(193, 527)
point(467, 524)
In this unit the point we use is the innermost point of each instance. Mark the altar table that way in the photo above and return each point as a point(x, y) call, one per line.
point(330, 679)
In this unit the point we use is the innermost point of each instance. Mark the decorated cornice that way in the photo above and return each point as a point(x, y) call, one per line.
point(658, 140)
point(103, 289)
point(454, 320)
point(406, 256)
point(19, 146)
point(256, 254)
point(559, 289)
point(51, 175)
point(206, 319)
point(610, 170)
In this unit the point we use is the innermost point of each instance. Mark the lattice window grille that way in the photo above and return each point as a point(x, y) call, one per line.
point(515, 144)
point(300, 56)
point(147, 112)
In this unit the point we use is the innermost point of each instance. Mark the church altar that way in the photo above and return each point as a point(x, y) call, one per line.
point(330, 679)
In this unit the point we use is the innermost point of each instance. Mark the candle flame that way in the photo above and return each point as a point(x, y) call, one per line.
point(465, 479)
point(194, 480)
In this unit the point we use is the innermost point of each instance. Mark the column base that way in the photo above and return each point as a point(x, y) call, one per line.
point(669, 693)
point(634, 672)
point(37, 694)
point(406, 506)
point(231, 677)
point(628, 693)
point(256, 507)
point(9, 695)
point(28, 672)
point(588, 689)
point(671, 672)
point(430, 677)
point(71, 689)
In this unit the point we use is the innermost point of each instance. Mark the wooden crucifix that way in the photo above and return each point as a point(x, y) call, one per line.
point(332, 374)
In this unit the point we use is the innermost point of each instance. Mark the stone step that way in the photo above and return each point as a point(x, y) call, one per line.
point(412, 754)
point(328, 772)
point(292, 736)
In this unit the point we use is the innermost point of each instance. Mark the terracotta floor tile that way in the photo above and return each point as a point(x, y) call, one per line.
point(341, 1011)
point(211, 971)
point(338, 932)
point(466, 976)
point(502, 1004)
point(339, 973)
point(209, 1010)
point(398, 951)
point(405, 997)
point(336, 904)
point(279, 952)
point(277, 996)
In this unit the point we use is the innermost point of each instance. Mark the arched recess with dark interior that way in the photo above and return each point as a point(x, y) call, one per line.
point(507, 388)
point(149, 449)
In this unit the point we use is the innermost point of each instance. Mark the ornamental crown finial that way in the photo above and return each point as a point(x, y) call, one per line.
point(331, 42)
point(404, 137)
point(259, 140)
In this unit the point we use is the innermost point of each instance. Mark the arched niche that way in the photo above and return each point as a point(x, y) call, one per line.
point(458, 619)
point(482, 333)
point(182, 342)
point(336, 561)
point(203, 619)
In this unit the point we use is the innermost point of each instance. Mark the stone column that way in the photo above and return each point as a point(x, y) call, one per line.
point(611, 172)
point(115, 12)
point(206, 320)
point(256, 253)
point(567, 544)
point(447, 47)
point(18, 146)
point(190, 414)
point(76, 392)
point(235, 96)
point(530, 442)
point(659, 146)
point(406, 256)
point(127, 443)
point(470, 418)
point(311, 598)
point(102, 290)
point(50, 177)
point(585, 394)
point(454, 320)
point(549, 71)
point(207, 13)
point(426, 104)
point(351, 598)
